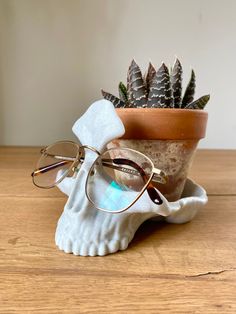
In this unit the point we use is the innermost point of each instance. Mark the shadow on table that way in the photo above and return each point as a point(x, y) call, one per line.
point(156, 230)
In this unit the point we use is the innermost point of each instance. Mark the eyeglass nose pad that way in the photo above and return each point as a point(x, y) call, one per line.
point(75, 172)
point(77, 166)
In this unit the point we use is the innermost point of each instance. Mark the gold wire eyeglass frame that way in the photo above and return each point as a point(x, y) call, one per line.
point(157, 175)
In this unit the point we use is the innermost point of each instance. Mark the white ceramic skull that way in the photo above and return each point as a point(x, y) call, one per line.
point(87, 231)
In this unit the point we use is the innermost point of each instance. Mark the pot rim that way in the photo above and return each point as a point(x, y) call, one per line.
point(163, 123)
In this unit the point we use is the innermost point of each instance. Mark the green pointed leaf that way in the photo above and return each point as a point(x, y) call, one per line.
point(160, 94)
point(176, 83)
point(190, 91)
point(123, 92)
point(135, 87)
point(200, 103)
point(149, 76)
point(116, 101)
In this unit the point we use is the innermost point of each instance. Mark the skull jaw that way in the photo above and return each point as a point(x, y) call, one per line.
point(87, 231)
point(97, 232)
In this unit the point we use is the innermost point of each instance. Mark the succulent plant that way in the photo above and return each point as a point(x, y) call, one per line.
point(157, 89)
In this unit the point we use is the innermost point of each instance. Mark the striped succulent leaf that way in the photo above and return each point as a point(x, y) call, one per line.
point(135, 87)
point(176, 83)
point(200, 103)
point(149, 76)
point(157, 89)
point(160, 94)
point(123, 92)
point(116, 101)
point(190, 91)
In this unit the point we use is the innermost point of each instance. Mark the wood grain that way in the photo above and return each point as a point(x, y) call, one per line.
point(216, 171)
point(167, 268)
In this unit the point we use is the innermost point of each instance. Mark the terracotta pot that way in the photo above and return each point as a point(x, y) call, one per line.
point(169, 137)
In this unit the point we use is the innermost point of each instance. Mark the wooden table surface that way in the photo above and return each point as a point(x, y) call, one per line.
point(189, 268)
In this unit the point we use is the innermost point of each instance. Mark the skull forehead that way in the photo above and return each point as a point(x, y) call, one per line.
point(98, 125)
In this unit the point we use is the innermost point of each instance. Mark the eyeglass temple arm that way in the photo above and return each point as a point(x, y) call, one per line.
point(152, 191)
point(159, 176)
point(49, 167)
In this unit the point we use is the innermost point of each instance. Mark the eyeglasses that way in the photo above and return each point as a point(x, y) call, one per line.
point(116, 179)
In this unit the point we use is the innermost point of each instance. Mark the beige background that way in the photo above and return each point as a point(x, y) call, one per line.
point(55, 55)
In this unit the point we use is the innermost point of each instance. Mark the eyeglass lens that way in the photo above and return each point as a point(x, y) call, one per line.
point(55, 163)
point(117, 178)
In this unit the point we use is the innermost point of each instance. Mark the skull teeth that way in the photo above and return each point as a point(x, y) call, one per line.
point(92, 249)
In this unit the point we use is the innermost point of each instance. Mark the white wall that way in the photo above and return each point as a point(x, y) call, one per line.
point(55, 55)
